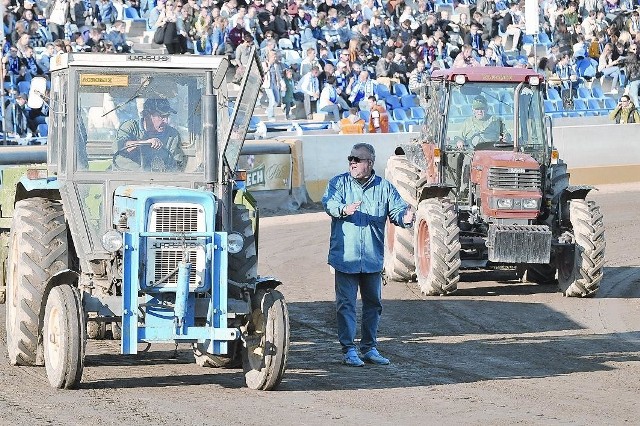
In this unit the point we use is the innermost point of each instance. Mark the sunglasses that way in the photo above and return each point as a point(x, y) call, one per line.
point(354, 159)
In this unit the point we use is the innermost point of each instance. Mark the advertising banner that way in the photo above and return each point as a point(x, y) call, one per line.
point(267, 171)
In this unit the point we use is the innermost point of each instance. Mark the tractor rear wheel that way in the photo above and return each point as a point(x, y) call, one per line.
point(437, 247)
point(63, 336)
point(243, 266)
point(264, 356)
point(580, 268)
point(398, 243)
point(38, 249)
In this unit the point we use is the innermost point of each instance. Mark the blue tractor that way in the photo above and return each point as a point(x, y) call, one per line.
point(140, 223)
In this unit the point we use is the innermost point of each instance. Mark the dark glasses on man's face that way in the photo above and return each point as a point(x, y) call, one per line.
point(354, 159)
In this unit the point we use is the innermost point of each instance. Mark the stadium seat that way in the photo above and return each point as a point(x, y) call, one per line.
point(409, 101)
point(393, 127)
point(400, 90)
point(400, 114)
point(549, 106)
point(392, 102)
point(544, 39)
point(382, 91)
point(417, 113)
point(42, 129)
point(596, 92)
point(594, 104)
point(579, 104)
point(23, 86)
point(364, 115)
point(583, 93)
point(610, 103)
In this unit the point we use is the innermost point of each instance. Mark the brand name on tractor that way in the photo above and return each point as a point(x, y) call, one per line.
point(175, 244)
point(148, 58)
point(256, 176)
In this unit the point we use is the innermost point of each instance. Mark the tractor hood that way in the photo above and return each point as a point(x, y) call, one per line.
point(508, 159)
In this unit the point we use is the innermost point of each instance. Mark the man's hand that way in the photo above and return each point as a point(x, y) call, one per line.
point(409, 215)
point(155, 143)
point(351, 208)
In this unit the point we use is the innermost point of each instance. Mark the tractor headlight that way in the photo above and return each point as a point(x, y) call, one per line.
point(504, 203)
point(235, 242)
point(530, 203)
point(112, 241)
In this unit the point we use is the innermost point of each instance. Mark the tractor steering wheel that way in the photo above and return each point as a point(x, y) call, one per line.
point(149, 159)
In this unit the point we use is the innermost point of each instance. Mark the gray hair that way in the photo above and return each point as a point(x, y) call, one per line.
point(368, 147)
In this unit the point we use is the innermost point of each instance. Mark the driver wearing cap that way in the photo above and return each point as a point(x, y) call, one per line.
point(151, 142)
point(480, 127)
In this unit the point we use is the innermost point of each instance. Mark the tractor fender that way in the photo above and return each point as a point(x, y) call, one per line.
point(576, 192)
point(414, 154)
point(263, 283)
point(432, 190)
point(29, 188)
point(66, 276)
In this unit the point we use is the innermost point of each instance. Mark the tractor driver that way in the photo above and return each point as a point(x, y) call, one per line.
point(480, 127)
point(150, 143)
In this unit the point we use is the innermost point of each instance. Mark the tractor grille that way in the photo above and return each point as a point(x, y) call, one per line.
point(167, 252)
point(514, 178)
point(176, 219)
point(167, 261)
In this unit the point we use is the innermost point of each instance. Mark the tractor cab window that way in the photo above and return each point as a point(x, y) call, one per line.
point(481, 117)
point(139, 122)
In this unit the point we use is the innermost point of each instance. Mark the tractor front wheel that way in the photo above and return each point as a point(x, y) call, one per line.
point(580, 267)
point(437, 247)
point(63, 337)
point(264, 356)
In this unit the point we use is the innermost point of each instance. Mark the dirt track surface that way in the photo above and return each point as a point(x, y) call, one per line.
point(497, 352)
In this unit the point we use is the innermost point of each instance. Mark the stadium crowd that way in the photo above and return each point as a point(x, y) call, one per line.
point(332, 56)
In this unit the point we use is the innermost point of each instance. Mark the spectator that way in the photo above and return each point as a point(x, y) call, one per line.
point(45, 58)
point(610, 68)
point(236, 35)
point(465, 58)
point(118, 38)
point(352, 124)
point(361, 89)
point(632, 71)
point(328, 101)
point(308, 90)
point(625, 112)
point(272, 83)
point(13, 67)
point(243, 57)
point(418, 78)
point(17, 119)
point(378, 117)
point(57, 13)
point(287, 96)
point(312, 35)
point(309, 61)
point(105, 12)
point(219, 37)
point(490, 58)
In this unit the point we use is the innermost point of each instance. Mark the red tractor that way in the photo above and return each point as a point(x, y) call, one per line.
point(490, 190)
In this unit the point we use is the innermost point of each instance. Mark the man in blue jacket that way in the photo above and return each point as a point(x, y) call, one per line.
point(359, 203)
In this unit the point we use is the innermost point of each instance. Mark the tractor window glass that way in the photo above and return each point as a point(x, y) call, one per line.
point(139, 122)
point(531, 131)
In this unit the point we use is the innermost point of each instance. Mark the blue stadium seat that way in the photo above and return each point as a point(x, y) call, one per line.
point(543, 38)
point(594, 104)
point(23, 87)
point(409, 101)
point(392, 102)
point(596, 92)
point(382, 91)
point(552, 94)
point(42, 129)
point(393, 127)
point(130, 13)
point(364, 115)
point(610, 103)
point(417, 113)
point(579, 105)
point(549, 106)
point(400, 90)
point(400, 114)
point(583, 93)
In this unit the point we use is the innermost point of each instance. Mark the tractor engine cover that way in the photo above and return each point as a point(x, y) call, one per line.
point(519, 243)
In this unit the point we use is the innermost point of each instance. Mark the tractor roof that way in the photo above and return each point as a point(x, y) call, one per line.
point(488, 74)
point(133, 60)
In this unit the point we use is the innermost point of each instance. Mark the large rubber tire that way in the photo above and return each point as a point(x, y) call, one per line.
point(437, 247)
point(206, 359)
point(64, 341)
point(580, 269)
point(264, 356)
point(398, 242)
point(4, 253)
point(38, 249)
point(243, 266)
point(558, 178)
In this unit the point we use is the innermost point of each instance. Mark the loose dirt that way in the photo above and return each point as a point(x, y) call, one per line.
point(496, 352)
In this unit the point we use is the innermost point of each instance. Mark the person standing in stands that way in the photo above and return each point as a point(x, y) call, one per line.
point(625, 112)
point(16, 119)
point(359, 203)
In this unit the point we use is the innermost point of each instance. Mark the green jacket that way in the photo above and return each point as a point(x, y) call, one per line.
point(625, 115)
point(133, 130)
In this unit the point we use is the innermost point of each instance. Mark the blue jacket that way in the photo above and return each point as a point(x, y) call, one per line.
point(357, 241)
